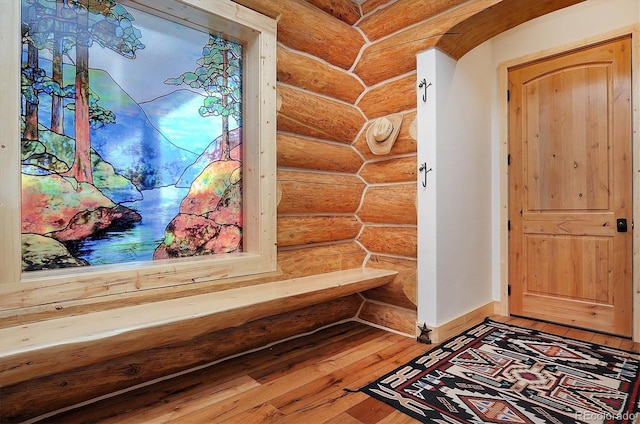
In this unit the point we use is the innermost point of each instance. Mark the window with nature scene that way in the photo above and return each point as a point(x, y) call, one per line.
point(131, 136)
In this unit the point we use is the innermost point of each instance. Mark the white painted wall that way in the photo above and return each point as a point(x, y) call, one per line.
point(459, 256)
point(454, 210)
point(426, 126)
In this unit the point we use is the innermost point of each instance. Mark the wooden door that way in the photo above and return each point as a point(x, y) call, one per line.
point(569, 182)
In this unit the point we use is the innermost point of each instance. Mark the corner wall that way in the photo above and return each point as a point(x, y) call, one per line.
point(454, 211)
point(395, 31)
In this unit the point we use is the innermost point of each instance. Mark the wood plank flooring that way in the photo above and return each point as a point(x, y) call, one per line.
point(297, 381)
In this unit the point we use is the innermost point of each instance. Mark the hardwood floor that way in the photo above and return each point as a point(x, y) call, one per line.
point(297, 381)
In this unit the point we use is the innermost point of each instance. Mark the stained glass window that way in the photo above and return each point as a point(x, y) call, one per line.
point(131, 137)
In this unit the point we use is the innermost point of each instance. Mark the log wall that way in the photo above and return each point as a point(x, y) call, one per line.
point(341, 65)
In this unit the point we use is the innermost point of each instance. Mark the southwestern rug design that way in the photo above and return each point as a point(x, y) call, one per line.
point(499, 373)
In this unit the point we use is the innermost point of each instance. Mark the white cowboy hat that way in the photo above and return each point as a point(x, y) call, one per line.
point(382, 133)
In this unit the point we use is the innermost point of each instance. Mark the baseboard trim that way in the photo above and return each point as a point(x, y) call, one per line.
point(463, 322)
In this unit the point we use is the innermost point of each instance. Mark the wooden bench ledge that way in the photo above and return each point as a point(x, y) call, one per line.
point(61, 344)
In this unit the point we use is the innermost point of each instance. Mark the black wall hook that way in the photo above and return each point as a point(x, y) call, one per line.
point(423, 168)
point(424, 84)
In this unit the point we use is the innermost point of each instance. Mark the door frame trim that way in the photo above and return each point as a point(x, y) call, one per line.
point(503, 69)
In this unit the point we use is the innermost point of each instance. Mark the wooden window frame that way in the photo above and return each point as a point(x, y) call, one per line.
point(258, 35)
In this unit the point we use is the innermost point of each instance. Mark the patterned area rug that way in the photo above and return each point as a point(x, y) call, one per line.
point(498, 373)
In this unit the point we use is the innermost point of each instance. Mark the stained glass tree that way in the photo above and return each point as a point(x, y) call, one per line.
point(59, 26)
point(219, 74)
point(110, 25)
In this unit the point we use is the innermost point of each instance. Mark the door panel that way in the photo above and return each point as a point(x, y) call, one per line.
point(589, 255)
point(569, 180)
